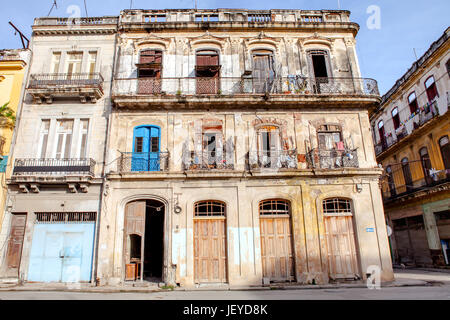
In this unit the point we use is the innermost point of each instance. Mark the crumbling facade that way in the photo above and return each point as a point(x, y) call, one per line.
point(242, 139)
point(411, 134)
point(233, 148)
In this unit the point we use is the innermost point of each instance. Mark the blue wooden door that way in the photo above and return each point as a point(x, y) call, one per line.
point(62, 252)
point(146, 145)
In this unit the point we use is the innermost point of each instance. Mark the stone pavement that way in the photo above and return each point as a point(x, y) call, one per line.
point(403, 278)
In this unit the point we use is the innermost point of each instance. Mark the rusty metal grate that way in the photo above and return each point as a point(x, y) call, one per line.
point(65, 217)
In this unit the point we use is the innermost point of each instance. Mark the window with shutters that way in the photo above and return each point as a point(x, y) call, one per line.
point(56, 61)
point(43, 139)
point(426, 163)
point(330, 137)
point(74, 60)
point(83, 137)
point(263, 70)
point(207, 72)
point(444, 145)
point(395, 118)
point(64, 138)
point(212, 143)
point(430, 86)
point(92, 60)
point(412, 101)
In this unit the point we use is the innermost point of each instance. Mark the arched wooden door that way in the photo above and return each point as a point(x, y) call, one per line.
point(340, 239)
point(134, 229)
point(276, 240)
point(210, 251)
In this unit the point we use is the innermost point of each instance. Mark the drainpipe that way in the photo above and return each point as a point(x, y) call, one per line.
point(105, 151)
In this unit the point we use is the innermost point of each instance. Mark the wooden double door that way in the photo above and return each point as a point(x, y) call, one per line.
point(210, 250)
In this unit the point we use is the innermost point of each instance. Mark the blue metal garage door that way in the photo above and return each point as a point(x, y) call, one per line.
point(62, 247)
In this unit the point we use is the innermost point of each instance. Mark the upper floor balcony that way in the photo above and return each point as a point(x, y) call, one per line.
point(411, 126)
point(332, 159)
point(272, 159)
point(83, 86)
point(143, 162)
point(134, 92)
point(29, 172)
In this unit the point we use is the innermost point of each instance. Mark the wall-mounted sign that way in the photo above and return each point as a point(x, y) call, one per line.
point(370, 229)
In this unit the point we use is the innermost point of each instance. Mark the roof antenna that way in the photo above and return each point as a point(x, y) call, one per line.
point(195, 1)
point(339, 4)
point(54, 5)
point(131, 4)
point(85, 8)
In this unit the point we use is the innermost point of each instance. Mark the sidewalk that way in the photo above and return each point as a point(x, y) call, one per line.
point(403, 278)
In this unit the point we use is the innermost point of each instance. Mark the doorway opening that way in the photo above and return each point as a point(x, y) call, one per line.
point(154, 239)
point(144, 240)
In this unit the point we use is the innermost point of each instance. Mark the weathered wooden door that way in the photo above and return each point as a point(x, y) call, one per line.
point(134, 225)
point(15, 244)
point(340, 238)
point(276, 241)
point(149, 72)
point(210, 256)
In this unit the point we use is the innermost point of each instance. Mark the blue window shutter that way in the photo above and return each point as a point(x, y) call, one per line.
point(3, 164)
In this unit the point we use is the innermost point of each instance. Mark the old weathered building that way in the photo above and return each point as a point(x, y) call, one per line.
point(54, 190)
point(411, 130)
point(240, 152)
point(194, 147)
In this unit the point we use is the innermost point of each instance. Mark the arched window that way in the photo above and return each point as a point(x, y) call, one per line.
point(274, 207)
point(391, 182)
point(395, 118)
point(444, 145)
point(412, 101)
point(381, 133)
point(430, 86)
point(209, 208)
point(426, 163)
point(407, 174)
point(337, 206)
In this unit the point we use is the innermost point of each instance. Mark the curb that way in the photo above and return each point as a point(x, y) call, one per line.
point(121, 290)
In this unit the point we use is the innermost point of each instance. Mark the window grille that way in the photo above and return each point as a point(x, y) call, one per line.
point(209, 209)
point(65, 217)
point(337, 206)
point(274, 207)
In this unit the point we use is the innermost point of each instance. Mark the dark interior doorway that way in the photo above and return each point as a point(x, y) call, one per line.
point(154, 240)
point(320, 66)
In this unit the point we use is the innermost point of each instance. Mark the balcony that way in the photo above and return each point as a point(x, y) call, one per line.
point(247, 90)
point(208, 160)
point(45, 87)
point(40, 167)
point(412, 126)
point(332, 159)
point(143, 162)
point(272, 159)
point(411, 178)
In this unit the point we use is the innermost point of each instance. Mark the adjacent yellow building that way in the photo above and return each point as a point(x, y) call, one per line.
point(13, 68)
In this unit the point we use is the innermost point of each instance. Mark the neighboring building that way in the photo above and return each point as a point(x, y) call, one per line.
point(240, 151)
point(412, 130)
point(13, 69)
point(55, 187)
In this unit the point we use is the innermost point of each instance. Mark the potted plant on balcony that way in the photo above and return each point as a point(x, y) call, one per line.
point(7, 117)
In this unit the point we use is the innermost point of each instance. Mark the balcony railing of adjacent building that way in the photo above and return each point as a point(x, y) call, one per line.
point(233, 86)
point(410, 178)
point(143, 161)
point(424, 115)
point(332, 159)
point(38, 167)
point(207, 160)
point(273, 159)
point(47, 85)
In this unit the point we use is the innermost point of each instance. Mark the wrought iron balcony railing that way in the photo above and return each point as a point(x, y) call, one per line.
point(332, 159)
point(227, 86)
point(416, 121)
point(37, 167)
point(274, 159)
point(143, 161)
point(46, 80)
point(208, 160)
point(410, 177)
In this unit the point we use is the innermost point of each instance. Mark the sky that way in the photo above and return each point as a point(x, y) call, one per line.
point(386, 47)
